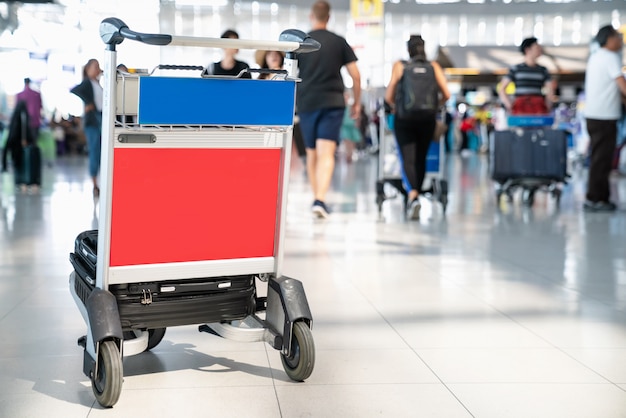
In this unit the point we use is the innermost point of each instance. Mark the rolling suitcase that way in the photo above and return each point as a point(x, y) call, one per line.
point(30, 172)
point(536, 153)
point(150, 305)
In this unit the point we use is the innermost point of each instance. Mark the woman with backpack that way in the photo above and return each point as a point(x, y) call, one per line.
point(415, 92)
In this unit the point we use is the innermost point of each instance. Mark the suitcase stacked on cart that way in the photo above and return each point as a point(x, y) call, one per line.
point(530, 156)
point(154, 305)
point(193, 255)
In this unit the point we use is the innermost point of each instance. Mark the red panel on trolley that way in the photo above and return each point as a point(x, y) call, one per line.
point(176, 205)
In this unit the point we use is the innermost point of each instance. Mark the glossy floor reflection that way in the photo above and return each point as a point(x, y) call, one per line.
point(493, 310)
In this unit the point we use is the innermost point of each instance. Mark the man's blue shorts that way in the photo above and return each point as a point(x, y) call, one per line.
point(321, 124)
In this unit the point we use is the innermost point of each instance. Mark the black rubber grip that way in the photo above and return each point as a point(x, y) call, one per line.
point(266, 71)
point(146, 38)
point(180, 67)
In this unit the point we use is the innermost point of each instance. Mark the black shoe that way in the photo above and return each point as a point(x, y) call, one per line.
point(590, 206)
point(320, 210)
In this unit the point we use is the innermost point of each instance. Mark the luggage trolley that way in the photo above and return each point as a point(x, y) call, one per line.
point(191, 213)
point(390, 170)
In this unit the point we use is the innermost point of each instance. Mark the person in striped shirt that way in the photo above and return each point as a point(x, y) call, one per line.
point(533, 89)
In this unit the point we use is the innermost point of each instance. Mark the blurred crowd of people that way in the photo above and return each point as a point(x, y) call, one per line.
point(332, 119)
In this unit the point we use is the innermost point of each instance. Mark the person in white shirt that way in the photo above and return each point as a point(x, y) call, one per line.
point(605, 89)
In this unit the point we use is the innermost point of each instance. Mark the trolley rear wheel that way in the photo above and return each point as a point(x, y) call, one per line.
point(299, 365)
point(107, 382)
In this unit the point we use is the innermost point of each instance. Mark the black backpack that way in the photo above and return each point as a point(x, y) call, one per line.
point(417, 90)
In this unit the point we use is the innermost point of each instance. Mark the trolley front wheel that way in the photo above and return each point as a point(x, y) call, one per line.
point(154, 337)
point(299, 365)
point(528, 197)
point(107, 382)
point(556, 193)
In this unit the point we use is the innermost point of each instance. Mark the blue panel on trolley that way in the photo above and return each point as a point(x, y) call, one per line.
point(433, 157)
point(213, 101)
point(529, 121)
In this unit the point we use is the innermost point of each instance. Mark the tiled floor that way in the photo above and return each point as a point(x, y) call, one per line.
point(485, 312)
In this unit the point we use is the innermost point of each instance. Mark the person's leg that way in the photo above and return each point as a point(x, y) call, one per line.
point(464, 141)
point(327, 131)
point(405, 136)
point(602, 136)
point(311, 164)
point(5, 153)
point(423, 135)
point(307, 127)
point(93, 146)
point(325, 155)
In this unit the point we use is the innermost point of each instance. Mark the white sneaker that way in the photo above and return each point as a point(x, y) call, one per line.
point(413, 213)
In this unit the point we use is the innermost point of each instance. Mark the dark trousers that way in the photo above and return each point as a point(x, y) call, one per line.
point(414, 137)
point(603, 138)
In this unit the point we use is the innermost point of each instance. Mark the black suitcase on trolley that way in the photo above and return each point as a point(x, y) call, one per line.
point(533, 153)
point(149, 304)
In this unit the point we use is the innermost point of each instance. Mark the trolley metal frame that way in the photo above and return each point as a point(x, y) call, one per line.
point(134, 244)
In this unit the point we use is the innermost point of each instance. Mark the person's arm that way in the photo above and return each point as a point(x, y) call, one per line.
point(355, 74)
point(390, 93)
point(441, 82)
point(621, 84)
point(548, 89)
point(504, 98)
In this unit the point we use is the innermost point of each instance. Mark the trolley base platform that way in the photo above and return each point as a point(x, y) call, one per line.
point(529, 187)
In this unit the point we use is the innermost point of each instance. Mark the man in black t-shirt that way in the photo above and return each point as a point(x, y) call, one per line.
point(229, 65)
point(320, 102)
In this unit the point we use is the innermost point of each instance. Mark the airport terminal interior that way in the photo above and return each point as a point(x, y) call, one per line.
point(490, 305)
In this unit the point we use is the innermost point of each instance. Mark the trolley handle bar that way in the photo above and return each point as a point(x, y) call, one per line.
point(113, 31)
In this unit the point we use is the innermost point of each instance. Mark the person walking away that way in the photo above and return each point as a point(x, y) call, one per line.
point(531, 81)
point(413, 92)
point(320, 102)
point(229, 65)
point(90, 92)
point(32, 98)
point(605, 90)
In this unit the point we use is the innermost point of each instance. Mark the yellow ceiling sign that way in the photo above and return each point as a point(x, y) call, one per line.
point(366, 9)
